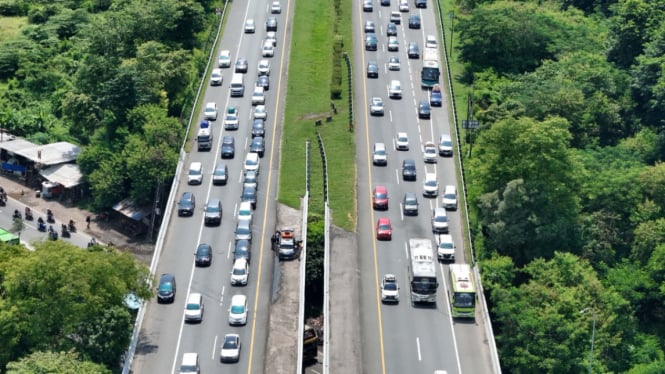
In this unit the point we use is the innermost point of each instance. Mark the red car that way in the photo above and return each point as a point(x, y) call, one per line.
point(380, 198)
point(384, 230)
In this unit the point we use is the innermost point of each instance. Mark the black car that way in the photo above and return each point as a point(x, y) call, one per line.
point(203, 255)
point(424, 110)
point(414, 50)
point(228, 146)
point(258, 127)
point(213, 213)
point(421, 3)
point(371, 42)
point(271, 24)
point(372, 69)
point(242, 250)
point(409, 170)
point(258, 146)
point(263, 81)
point(414, 21)
point(391, 30)
point(242, 65)
point(187, 204)
point(249, 195)
point(166, 289)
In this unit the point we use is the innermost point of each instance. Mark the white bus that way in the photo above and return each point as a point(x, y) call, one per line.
point(422, 271)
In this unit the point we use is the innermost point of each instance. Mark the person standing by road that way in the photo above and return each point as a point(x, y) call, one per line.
point(87, 221)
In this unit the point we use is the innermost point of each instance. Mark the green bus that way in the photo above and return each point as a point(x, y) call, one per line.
point(463, 295)
point(8, 238)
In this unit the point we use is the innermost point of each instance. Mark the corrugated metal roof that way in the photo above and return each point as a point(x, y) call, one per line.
point(67, 175)
point(46, 154)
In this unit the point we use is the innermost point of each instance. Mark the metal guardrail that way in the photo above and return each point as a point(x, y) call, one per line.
point(303, 269)
point(488, 323)
point(129, 356)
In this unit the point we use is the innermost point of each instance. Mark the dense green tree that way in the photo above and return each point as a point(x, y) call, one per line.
point(648, 81)
point(545, 323)
point(631, 26)
point(72, 296)
point(515, 37)
point(54, 363)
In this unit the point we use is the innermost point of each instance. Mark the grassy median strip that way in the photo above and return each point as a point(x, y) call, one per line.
point(308, 100)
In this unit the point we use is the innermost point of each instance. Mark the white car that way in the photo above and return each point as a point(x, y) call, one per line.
point(430, 41)
point(224, 60)
point(216, 77)
point(252, 162)
point(403, 6)
point(446, 248)
point(210, 112)
point(260, 112)
point(389, 289)
point(449, 199)
point(393, 44)
point(268, 49)
point(379, 156)
point(264, 67)
point(430, 185)
point(430, 152)
point(240, 272)
point(393, 63)
point(276, 7)
point(250, 26)
point(238, 310)
point(271, 37)
point(439, 220)
point(231, 122)
point(376, 107)
point(245, 211)
point(194, 308)
point(402, 141)
point(395, 89)
point(230, 348)
point(258, 96)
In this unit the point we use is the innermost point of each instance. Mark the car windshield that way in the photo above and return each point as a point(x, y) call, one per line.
point(193, 306)
point(390, 286)
point(194, 172)
point(384, 227)
point(410, 201)
point(212, 209)
point(165, 287)
point(219, 172)
point(231, 116)
point(242, 230)
point(380, 153)
point(238, 271)
point(449, 196)
point(237, 309)
point(251, 162)
point(381, 195)
point(447, 144)
point(446, 245)
point(403, 139)
point(431, 183)
point(441, 219)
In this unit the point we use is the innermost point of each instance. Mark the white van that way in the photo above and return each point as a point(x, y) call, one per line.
point(204, 138)
point(252, 162)
point(195, 173)
point(194, 308)
point(379, 156)
point(238, 310)
point(190, 364)
point(258, 96)
point(395, 89)
point(238, 85)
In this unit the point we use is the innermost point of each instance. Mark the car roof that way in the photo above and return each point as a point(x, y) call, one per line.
point(240, 262)
point(228, 138)
point(384, 220)
point(166, 278)
point(238, 300)
point(409, 161)
point(214, 201)
point(380, 189)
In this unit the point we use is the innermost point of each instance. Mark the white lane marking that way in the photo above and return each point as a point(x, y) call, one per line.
point(221, 297)
point(214, 348)
point(390, 114)
point(228, 251)
point(420, 357)
point(397, 175)
point(406, 251)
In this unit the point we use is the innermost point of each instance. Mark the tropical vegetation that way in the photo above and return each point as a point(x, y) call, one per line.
point(566, 182)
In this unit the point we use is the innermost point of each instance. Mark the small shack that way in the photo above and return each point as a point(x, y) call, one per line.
point(131, 219)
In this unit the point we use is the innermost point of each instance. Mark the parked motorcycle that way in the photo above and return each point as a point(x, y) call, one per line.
point(52, 234)
point(71, 226)
point(65, 232)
